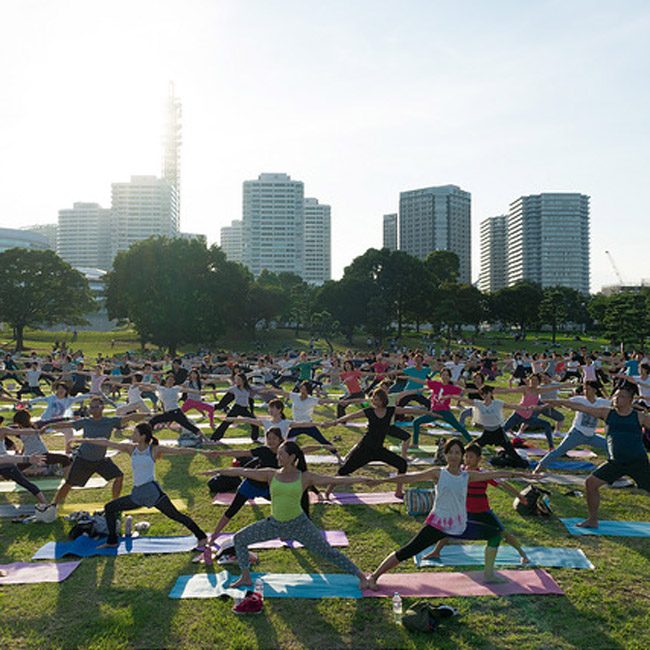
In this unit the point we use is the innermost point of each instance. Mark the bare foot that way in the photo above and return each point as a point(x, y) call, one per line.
point(399, 495)
point(431, 556)
point(242, 583)
point(588, 523)
point(3, 573)
point(525, 559)
point(364, 583)
point(107, 545)
point(372, 583)
point(493, 578)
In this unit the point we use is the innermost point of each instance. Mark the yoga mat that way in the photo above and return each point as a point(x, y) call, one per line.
point(358, 498)
point(469, 554)
point(225, 499)
point(52, 484)
point(568, 465)
point(572, 453)
point(333, 537)
point(67, 508)
point(85, 546)
point(22, 573)
point(320, 459)
point(13, 510)
point(613, 528)
point(422, 449)
point(339, 585)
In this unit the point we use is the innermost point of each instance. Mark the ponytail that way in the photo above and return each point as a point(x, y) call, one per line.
point(145, 429)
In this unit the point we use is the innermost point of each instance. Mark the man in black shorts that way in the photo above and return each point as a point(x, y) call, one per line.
point(91, 459)
point(626, 454)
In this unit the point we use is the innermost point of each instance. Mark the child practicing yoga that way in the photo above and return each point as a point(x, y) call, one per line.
point(289, 508)
point(448, 517)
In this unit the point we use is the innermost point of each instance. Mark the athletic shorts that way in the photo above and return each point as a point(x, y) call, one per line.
point(638, 471)
point(83, 469)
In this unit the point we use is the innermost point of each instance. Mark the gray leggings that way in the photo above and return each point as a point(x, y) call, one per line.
point(299, 529)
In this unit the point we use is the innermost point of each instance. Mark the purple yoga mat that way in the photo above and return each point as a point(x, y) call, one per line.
point(442, 585)
point(334, 538)
point(358, 498)
point(572, 453)
point(22, 573)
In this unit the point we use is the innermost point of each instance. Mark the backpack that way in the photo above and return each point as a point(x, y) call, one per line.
point(218, 484)
point(536, 502)
point(419, 501)
point(424, 617)
point(502, 459)
point(94, 527)
point(189, 439)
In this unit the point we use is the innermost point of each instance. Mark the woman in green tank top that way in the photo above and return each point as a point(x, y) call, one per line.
point(289, 511)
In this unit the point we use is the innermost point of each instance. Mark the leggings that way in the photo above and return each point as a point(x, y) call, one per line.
point(300, 529)
point(362, 453)
point(340, 408)
point(447, 416)
point(163, 504)
point(429, 535)
point(202, 407)
point(246, 491)
point(571, 440)
point(420, 399)
point(12, 473)
point(176, 415)
point(314, 432)
point(515, 420)
point(235, 411)
point(497, 437)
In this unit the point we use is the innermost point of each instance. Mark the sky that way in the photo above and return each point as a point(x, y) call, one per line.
point(359, 99)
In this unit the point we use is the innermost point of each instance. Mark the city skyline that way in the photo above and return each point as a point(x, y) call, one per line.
point(372, 106)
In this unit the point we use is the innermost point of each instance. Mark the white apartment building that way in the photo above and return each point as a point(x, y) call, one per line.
point(83, 236)
point(48, 230)
point(273, 228)
point(494, 269)
point(318, 246)
point(144, 207)
point(390, 232)
point(437, 218)
point(231, 240)
point(548, 240)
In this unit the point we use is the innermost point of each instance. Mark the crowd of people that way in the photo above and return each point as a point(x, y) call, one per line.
point(398, 394)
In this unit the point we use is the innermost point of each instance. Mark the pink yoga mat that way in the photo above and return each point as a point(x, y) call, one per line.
point(572, 453)
point(333, 537)
point(22, 573)
point(225, 499)
point(358, 498)
point(441, 585)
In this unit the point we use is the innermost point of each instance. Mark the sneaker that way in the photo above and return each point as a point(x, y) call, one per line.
point(252, 604)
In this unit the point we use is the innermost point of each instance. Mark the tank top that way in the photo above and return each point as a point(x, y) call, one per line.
point(285, 499)
point(624, 437)
point(143, 464)
point(528, 399)
point(378, 427)
point(449, 512)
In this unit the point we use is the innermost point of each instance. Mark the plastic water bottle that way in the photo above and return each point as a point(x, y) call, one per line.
point(128, 526)
point(397, 608)
point(258, 588)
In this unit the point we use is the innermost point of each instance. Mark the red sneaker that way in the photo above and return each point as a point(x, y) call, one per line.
point(252, 604)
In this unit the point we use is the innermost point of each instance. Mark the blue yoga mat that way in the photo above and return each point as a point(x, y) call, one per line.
point(613, 528)
point(568, 465)
point(85, 546)
point(276, 585)
point(470, 554)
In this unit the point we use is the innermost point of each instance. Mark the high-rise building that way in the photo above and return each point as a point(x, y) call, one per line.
point(48, 230)
point(231, 241)
point(83, 236)
point(273, 229)
point(494, 268)
point(548, 240)
point(171, 143)
point(390, 232)
point(14, 238)
point(437, 218)
point(317, 247)
point(144, 207)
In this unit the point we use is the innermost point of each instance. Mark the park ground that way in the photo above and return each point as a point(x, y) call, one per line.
point(123, 602)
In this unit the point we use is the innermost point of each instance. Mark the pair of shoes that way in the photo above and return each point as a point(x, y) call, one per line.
point(252, 604)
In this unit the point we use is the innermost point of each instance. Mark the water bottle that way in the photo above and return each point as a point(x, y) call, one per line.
point(128, 526)
point(397, 608)
point(259, 588)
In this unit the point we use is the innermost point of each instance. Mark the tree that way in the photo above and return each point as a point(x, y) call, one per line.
point(325, 326)
point(518, 305)
point(561, 304)
point(39, 288)
point(177, 291)
point(626, 318)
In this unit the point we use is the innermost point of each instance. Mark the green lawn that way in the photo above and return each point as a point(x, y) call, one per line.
point(123, 602)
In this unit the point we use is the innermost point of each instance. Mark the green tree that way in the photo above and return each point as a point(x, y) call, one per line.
point(39, 288)
point(324, 326)
point(562, 304)
point(177, 291)
point(518, 305)
point(626, 319)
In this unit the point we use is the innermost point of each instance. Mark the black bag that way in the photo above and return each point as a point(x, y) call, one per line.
point(218, 484)
point(422, 616)
point(502, 459)
point(536, 502)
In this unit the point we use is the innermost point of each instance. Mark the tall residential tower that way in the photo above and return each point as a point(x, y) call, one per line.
point(494, 270)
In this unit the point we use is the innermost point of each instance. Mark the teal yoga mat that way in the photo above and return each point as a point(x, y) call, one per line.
point(471, 554)
point(613, 528)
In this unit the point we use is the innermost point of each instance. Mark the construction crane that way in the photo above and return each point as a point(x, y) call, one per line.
point(618, 274)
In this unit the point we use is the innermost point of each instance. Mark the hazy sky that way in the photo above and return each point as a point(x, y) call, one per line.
point(360, 99)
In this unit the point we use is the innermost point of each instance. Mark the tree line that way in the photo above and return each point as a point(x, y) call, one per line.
point(175, 291)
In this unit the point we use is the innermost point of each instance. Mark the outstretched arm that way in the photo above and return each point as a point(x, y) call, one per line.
point(242, 472)
point(310, 478)
point(120, 446)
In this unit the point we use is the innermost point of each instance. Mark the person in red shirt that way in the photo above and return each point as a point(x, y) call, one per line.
point(478, 506)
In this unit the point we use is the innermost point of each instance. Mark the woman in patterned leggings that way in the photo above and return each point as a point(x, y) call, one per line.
point(289, 512)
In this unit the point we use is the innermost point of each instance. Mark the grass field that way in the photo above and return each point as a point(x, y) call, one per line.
point(123, 602)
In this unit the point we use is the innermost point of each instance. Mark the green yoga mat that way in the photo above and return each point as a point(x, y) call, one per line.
point(51, 484)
